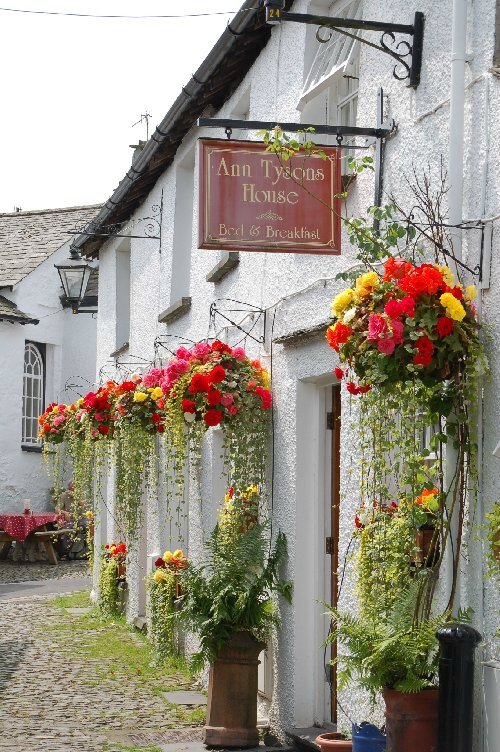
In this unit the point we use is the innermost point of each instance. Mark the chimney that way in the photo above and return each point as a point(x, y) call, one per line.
point(137, 150)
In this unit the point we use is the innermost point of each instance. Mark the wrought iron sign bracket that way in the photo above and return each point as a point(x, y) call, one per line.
point(408, 54)
point(339, 131)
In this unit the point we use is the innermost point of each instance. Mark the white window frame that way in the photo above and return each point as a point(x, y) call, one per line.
point(34, 372)
point(313, 87)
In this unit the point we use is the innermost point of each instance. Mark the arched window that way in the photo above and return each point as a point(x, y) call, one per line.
point(33, 392)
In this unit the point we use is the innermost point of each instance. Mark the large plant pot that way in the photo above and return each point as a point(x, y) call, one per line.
point(427, 542)
point(333, 742)
point(411, 720)
point(232, 694)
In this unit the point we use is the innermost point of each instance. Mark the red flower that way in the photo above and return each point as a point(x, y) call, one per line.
point(396, 268)
point(423, 279)
point(127, 386)
point(425, 351)
point(265, 396)
point(46, 427)
point(188, 406)
point(444, 326)
point(160, 563)
point(213, 417)
point(160, 428)
point(339, 373)
point(161, 403)
point(354, 389)
point(338, 334)
point(199, 383)
point(103, 429)
point(358, 522)
point(393, 308)
point(218, 346)
point(156, 418)
point(214, 397)
point(408, 306)
point(217, 375)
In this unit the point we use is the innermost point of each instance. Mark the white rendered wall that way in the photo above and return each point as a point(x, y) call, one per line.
point(300, 372)
point(70, 345)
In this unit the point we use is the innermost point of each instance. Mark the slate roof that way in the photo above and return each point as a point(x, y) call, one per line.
point(28, 238)
point(10, 312)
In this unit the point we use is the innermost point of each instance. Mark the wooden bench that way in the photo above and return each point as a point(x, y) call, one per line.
point(47, 538)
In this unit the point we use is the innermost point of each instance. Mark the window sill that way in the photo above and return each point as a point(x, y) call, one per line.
point(229, 260)
point(120, 350)
point(175, 311)
point(31, 448)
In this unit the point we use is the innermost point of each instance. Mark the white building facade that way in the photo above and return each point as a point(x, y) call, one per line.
point(155, 290)
point(46, 353)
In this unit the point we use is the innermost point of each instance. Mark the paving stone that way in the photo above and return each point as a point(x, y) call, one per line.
point(54, 700)
point(185, 698)
point(77, 611)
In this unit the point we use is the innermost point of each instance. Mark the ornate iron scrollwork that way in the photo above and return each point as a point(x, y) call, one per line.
point(399, 51)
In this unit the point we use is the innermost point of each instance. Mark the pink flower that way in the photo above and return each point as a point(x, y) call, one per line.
point(377, 327)
point(183, 353)
point(232, 409)
point(58, 420)
point(152, 378)
point(397, 332)
point(239, 353)
point(227, 399)
point(386, 346)
point(201, 349)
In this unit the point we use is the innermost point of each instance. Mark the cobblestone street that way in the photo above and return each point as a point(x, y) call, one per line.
point(67, 684)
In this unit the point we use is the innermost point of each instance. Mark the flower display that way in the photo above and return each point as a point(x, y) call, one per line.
point(54, 421)
point(240, 511)
point(115, 550)
point(410, 320)
point(174, 561)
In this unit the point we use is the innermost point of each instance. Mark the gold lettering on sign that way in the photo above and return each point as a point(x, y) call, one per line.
point(253, 196)
point(275, 172)
point(234, 170)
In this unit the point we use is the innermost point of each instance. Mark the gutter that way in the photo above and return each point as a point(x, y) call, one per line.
point(197, 84)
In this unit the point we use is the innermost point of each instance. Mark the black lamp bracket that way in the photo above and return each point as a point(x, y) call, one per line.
point(408, 54)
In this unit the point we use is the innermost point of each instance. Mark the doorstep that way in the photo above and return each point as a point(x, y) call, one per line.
point(303, 738)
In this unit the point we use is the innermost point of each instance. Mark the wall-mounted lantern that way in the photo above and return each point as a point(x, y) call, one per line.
point(74, 276)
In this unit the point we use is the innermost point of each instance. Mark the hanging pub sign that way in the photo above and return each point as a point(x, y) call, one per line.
point(250, 200)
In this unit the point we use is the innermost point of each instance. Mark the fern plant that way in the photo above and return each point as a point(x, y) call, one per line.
point(398, 651)
point(234, 590)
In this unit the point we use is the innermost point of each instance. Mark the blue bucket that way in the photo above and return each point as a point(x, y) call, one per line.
point(368, 738)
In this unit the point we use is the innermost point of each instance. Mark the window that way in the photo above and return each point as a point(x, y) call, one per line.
point(33, 392)
point(183, 229)
point(122, 295)
point(334, 58)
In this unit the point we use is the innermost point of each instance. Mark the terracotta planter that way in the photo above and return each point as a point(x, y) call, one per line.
point(411, 720)
point(178, 589)
point(232, 694)
point(427, 541)
point(120, 571)
point(333, 742)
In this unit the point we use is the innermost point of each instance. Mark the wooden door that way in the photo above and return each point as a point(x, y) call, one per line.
point(333, 542)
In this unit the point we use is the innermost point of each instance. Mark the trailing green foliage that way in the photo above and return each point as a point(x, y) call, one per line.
point(234, 590)
point(161, 610)
point(109, 596)
point(493, 538)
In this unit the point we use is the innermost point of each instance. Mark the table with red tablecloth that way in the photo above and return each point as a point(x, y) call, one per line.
point(20, 527)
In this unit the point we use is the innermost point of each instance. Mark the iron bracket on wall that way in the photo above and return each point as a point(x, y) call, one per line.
point(408, 55)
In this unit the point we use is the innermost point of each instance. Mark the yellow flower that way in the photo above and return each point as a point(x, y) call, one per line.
point(471, 292)
point(447, 275)
point(177, 555)
point(266, 379)
point(140, 396)
point(160, 575)
point(80, 402)
point(55, 409)
point(156, 393)
point(252, 490)
point(342, 301)
point(167, 557)
point(454, 308)
point(366, 284)
point(89, 514)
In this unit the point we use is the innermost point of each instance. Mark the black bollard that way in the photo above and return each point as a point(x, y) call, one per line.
point(456, 685)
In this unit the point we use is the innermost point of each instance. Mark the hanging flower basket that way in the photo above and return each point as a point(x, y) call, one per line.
point(411, 321)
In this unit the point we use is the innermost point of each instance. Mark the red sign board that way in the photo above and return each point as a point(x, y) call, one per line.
point(250, 200)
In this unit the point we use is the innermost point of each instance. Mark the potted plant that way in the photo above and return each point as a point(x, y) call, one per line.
point(396, 654)
point(229, 605)
point(164, 589)
point(112, 579)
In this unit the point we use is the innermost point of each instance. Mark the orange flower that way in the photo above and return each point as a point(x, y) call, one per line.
point(338, 334)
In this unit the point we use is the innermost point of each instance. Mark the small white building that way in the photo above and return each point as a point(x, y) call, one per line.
point(161, 288)
point(46, 353)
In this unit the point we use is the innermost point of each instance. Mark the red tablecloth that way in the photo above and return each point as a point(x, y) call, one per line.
point(19, 526)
